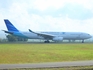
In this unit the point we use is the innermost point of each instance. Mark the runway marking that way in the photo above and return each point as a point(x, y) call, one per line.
point(47, 65)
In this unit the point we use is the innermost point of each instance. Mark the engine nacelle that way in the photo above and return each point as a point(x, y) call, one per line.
point(58, 39)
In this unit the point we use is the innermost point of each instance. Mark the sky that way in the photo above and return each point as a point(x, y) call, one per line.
point(48, 15)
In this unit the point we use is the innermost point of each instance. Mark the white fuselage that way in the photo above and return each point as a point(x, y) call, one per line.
point(65, 35)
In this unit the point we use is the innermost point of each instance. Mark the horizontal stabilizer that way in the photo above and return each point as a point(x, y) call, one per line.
point(7, 32)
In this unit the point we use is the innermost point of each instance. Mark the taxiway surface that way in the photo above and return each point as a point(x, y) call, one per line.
point(47, 65)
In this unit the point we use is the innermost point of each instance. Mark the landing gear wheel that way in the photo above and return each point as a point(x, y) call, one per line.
point(46, 41)
point(82, 41)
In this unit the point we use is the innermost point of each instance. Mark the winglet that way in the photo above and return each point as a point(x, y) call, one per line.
point(31, 31)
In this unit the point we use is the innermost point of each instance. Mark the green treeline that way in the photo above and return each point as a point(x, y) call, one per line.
point(12, 38)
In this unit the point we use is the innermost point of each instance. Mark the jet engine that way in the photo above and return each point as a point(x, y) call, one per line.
point(58, 39)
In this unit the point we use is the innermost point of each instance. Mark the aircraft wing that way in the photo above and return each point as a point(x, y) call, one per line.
point(45, 35)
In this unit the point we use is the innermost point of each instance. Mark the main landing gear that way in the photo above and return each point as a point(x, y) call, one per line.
point(82, 41)
point(47, 41)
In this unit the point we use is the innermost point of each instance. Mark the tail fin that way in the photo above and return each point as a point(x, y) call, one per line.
point(10, 26)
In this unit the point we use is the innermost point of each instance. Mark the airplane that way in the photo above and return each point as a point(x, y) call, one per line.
point(46, 36)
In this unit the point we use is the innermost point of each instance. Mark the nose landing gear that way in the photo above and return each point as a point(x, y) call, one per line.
point(82, 41)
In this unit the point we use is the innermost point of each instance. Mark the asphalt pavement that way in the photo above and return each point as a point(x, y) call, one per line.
point(47, 65)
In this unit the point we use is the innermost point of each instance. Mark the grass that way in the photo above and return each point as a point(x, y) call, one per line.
point(36, 53)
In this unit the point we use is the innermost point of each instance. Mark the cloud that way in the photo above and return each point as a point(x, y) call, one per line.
point(75, 11)
point(42, 5)
point(48, 15)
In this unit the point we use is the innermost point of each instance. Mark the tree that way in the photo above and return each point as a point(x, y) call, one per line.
point(12, 38)
point(21, 39)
